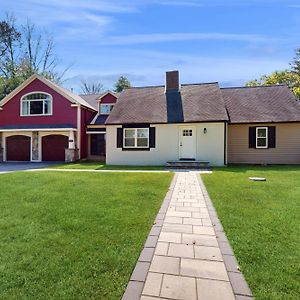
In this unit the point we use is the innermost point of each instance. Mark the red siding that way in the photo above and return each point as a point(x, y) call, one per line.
point(109, 98)
point(86, 118)
point(62, 111)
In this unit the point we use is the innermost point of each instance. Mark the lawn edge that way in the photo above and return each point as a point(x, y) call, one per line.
point(237, 280)
point(137, 279)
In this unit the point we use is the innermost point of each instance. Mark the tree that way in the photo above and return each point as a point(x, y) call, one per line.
point(121, 84)
point(91, 88)
point(279, 77)
point(295, 64)
point(288, 77)
point(25, 51)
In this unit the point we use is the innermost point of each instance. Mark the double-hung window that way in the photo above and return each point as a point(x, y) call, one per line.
point(136, 138)
point(38, 104)
point(261, 137)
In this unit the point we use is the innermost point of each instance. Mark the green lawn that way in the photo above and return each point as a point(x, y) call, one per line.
point(74, 235)
point(92, 165)
point(262, 222)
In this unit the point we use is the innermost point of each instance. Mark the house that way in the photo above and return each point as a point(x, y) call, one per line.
point(41, 121)
point(153, 125)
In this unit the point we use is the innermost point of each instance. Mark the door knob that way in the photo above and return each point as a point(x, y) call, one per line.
point(180, 144)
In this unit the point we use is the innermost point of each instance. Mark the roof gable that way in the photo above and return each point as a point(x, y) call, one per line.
point(73, 98)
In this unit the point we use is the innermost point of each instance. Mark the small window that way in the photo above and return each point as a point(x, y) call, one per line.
point(187, 132)
point(105, 109)
point(136, 138)
point(261, 137)
point(36, 104)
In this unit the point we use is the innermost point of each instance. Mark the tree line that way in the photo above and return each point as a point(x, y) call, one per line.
point(290, 77)
point(26, 50)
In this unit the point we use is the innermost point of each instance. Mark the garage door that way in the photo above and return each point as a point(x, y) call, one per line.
point(18, 148)
point(53, 147)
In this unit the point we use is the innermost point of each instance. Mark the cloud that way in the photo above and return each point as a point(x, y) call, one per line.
point(173, 37)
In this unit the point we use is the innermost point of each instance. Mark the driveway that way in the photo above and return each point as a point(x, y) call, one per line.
point(21, 166)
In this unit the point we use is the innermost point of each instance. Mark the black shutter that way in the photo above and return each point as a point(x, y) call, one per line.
point(252, 137)
point(119, 137)
point(271, 136)
point(152, 137)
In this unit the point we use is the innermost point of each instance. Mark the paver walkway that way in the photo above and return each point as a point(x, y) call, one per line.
point(192, 258)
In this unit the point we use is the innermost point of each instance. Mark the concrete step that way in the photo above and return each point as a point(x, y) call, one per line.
point(188, 164)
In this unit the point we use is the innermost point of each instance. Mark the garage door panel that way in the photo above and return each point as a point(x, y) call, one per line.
point(18, 148)
point(53, 147)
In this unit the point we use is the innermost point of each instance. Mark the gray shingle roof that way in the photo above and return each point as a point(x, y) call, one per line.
point(195, 103)
point(92, 99)
point(261, 104)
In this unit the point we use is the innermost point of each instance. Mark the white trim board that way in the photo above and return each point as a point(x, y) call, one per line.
point(37, 129)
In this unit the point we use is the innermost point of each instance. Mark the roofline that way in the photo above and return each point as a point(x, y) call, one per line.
point(18, 89)
point(262, 122)
point(108, 92)
point(167, 123)
point(256, 86)
point(161, 85)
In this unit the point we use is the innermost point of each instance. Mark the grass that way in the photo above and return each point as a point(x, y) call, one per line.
point(261, 220)
point(92, 165)
point(74, 236)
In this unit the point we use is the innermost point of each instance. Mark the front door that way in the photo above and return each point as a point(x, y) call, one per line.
point(97, 145)
point(187, 142)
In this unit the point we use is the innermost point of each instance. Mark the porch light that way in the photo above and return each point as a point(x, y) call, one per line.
point(205, 130)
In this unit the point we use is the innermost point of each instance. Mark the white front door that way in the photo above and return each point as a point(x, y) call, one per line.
point(187, 142)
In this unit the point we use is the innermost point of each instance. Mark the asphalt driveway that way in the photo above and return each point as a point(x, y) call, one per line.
point(21, 166)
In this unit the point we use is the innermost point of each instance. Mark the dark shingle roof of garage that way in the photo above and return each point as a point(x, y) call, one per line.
point(261, 104)
point(194, 103)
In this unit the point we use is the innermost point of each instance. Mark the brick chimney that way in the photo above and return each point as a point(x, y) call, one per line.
point(172, 81)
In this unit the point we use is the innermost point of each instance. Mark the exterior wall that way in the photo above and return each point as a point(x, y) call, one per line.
point(209, 146)
point(62, 112)
point(287, 150)
point(108, 98)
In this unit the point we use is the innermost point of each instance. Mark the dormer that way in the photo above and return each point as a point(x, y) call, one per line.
point(107, 102)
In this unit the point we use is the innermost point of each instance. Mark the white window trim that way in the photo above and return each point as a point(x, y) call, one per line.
point(111, 104)
point(32, 100)
point(257, 137)
point(135, 139)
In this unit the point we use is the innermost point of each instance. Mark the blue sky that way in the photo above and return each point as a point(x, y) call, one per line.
point(230, 41)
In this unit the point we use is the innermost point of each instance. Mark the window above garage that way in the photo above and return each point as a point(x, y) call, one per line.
point(36, 104)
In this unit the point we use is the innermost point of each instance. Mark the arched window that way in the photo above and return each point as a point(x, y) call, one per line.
point(34, 104)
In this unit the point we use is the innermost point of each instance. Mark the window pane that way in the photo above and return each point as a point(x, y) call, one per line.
point(261, 132)
point(129, 142)
point(37, 96)
point(36, 107)
point(47, 107)
point(130, 133)
point(24, 108)
point(142, 142)
point(142, 133)
point(106, 108)
point(261, 142)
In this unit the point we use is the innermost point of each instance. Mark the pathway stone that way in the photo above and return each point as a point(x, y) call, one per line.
point(190, 257)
